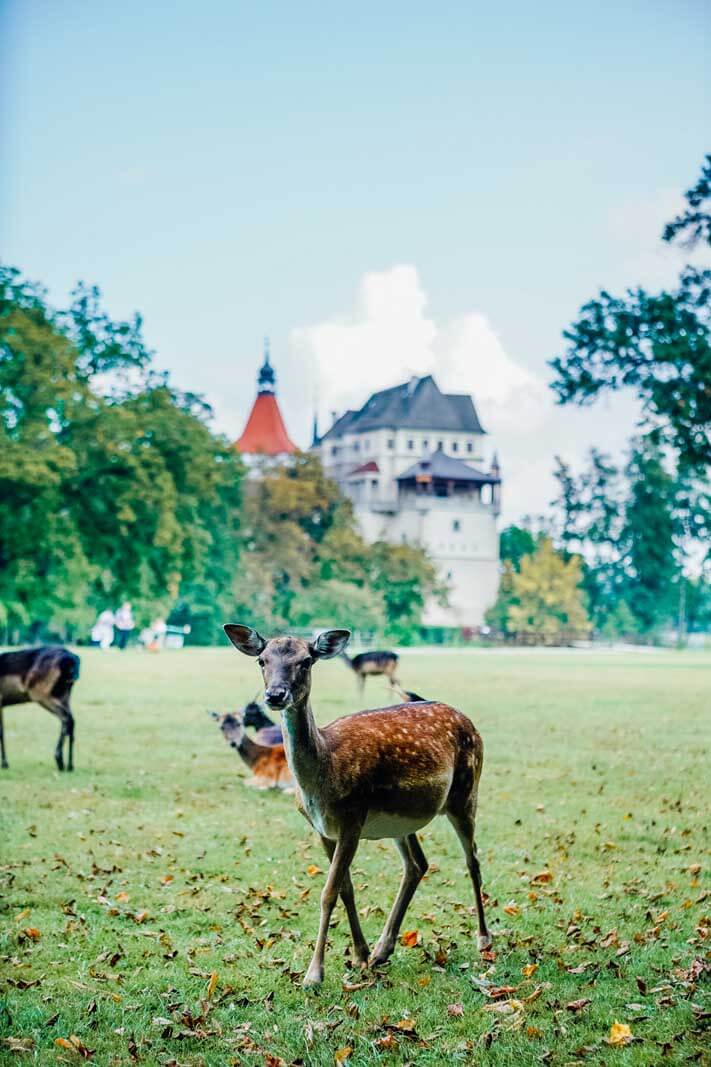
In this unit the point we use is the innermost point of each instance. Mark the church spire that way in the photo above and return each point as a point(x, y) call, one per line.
point(266, 380)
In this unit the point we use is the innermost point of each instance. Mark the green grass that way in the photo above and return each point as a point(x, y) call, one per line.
point(596, 770)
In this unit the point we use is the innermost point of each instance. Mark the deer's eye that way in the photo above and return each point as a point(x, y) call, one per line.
point(260, 661)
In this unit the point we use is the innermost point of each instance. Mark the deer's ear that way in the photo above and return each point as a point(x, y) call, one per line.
point(330, 643)
point(245, 638)
point(215, 715)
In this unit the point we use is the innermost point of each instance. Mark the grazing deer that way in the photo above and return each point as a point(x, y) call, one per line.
point(373, 663)
point(268, 733)
point(266, 762)
point(375, 774)
point(45, 676)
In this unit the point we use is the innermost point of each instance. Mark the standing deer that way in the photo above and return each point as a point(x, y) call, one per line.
point(375, 774)
point(266, 762)
point(372, 663)
point(45, 676)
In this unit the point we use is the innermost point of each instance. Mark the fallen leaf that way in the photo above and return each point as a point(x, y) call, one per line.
point(32, 933)
point(341, 1055)
point(122, 897)
point(512, 908)
point(211, 985)
point(410, 938)
point(312, 870)
point(140, 916)
point(578, 1005)
point(387, 1042)
point(455, 1009)
point(19, 1044)
point(76, 1045)
point(529, 969)
point(620, 1034)
point(424, 980)
point(542, 876)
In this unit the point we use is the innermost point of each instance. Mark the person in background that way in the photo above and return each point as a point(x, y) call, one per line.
point(124, 624)
point(102, 632)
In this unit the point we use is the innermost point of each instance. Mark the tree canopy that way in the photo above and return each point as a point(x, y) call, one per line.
point(657, 344)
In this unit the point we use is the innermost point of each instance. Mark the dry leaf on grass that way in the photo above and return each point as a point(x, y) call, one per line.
point(211, 985)
point(76, 1045)
point(410, 938)
point(455, 1009)
point(578, 1005)
point(312, 870)
point(341, 1055)
point(19, 1044)
point(529, 969)
point(620, 1034)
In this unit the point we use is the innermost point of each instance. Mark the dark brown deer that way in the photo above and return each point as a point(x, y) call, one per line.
point(375, 774)
point(266, 762)
point(373, 663)
point(43, 676)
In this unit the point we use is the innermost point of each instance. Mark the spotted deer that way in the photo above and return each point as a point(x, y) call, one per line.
point(267, 763)
point(375, 774)
point(44, 676)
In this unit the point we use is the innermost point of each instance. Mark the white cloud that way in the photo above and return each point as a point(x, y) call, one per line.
point(391, 337)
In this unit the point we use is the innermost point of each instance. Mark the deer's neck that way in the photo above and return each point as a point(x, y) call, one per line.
point(305, 749)
point(249, 750)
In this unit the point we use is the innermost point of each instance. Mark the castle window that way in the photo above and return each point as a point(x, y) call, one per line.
point(391, 442)
point(356, 446)
point(455, 446)
point(440, 444)
point(411, 444)
point(374, 483)
point(455, 525)
point(425, 443)
point(334, 450)
point(470, 446)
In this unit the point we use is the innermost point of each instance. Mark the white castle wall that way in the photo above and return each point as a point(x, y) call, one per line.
point(459, 533)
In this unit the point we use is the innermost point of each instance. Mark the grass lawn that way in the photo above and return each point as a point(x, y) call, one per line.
point(162, 913)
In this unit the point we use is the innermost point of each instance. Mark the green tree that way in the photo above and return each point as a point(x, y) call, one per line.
point(548, 600)
point(657, 344)
point(112, 483)
point(515, 542)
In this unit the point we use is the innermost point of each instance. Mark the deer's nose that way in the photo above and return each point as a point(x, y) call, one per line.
point(277, 696)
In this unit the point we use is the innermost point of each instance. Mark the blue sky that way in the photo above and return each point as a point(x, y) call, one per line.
point(232, 170)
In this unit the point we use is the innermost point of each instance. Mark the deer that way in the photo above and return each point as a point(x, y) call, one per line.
point(372, 663)
point(267, 763)
point(268, 733)
point(384, 773)
point(44, 676)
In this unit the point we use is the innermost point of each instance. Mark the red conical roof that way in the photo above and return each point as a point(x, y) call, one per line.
point(265, 431)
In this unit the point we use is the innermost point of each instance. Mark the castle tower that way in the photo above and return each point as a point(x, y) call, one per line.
point(265, 433)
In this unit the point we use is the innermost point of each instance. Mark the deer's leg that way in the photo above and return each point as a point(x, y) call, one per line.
point(56, 707)
point(3, 757)
point(343, 854)
point(463, 824)
point(415, 867)
point(359, 943)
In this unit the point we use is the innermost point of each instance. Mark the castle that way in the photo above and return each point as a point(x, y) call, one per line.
point(406, 460)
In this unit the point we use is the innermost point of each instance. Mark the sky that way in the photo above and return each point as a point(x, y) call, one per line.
point(383, 189)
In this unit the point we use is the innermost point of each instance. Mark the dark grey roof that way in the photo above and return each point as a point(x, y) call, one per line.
point(415, 405)
point(440, 465)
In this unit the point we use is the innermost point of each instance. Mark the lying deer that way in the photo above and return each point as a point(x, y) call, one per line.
point(373, 663)
point(375, 774)
point(266, 762)
point(45, 676)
